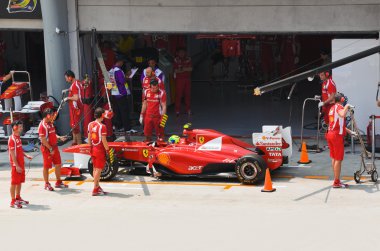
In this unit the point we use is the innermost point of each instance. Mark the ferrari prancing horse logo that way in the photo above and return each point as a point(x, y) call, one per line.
point(145, 153)
point(201, 139)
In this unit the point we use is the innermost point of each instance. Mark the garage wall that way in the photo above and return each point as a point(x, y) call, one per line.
point(358, 80)
point(230, 15)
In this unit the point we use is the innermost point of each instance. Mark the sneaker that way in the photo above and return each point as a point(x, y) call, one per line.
point(59, 184)
point(98, 191)
point(339, 185)
point(102, 191)
point(95, 191)
point(48, 187)
point(15, 204)
point(177, 114)
point(21, 201)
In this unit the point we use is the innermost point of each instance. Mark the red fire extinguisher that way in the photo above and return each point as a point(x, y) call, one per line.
point(88, 95)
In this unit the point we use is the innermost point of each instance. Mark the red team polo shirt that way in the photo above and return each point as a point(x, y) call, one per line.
point(15, 145)
point(182, 63)
point(75, 89)
point(328, 87)
point(47, 130)
point(154, 100)
point(98, 152)
point(336, 123)
point(97, 130)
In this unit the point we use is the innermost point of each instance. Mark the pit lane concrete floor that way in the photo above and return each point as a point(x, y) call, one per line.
point(142, 213)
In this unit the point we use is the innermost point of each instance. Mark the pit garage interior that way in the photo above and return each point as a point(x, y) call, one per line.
point(223, 82)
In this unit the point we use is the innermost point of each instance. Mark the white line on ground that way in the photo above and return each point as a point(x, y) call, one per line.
point(123, 188)
point(280, 186)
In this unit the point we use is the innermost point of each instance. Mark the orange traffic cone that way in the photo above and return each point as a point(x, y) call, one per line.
point(304, 159)
point(268, 183)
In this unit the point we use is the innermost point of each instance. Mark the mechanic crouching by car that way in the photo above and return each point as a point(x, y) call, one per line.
point(153, 111)
point(335, 136)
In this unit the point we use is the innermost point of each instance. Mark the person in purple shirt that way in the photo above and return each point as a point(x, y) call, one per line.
point(120, 94)
point(157, 71)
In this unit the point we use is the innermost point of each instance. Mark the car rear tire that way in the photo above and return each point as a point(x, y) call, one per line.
point(250, 169)
point(109, 171)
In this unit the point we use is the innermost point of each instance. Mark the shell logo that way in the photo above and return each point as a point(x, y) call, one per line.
point(163, 158)
point(264, 138)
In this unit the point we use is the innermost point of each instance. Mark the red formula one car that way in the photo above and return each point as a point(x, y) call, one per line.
point(200, 153)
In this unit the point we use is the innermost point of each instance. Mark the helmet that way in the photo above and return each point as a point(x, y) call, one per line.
point(187, 126)
point(174, 139)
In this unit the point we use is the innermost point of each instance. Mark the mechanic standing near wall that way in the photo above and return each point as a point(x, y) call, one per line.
point(16, 159)
point(328, 94)
point(335, 136)
point(153, 111)
point(120, 95)
point(182, 74)
point(75, 106)
point(49, 149)
point(97, 135)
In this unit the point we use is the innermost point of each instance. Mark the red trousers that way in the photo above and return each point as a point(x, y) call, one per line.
point(182, 89)
point(150, 123)
point(75, 117)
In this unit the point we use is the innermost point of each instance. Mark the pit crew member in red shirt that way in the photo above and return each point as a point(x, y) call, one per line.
point(16, 159)
point(49, 149)
point(335, 136)
point(328, 94)
point(97, 135)
point(75, 106)
point(153, 111)
point(182, 74)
